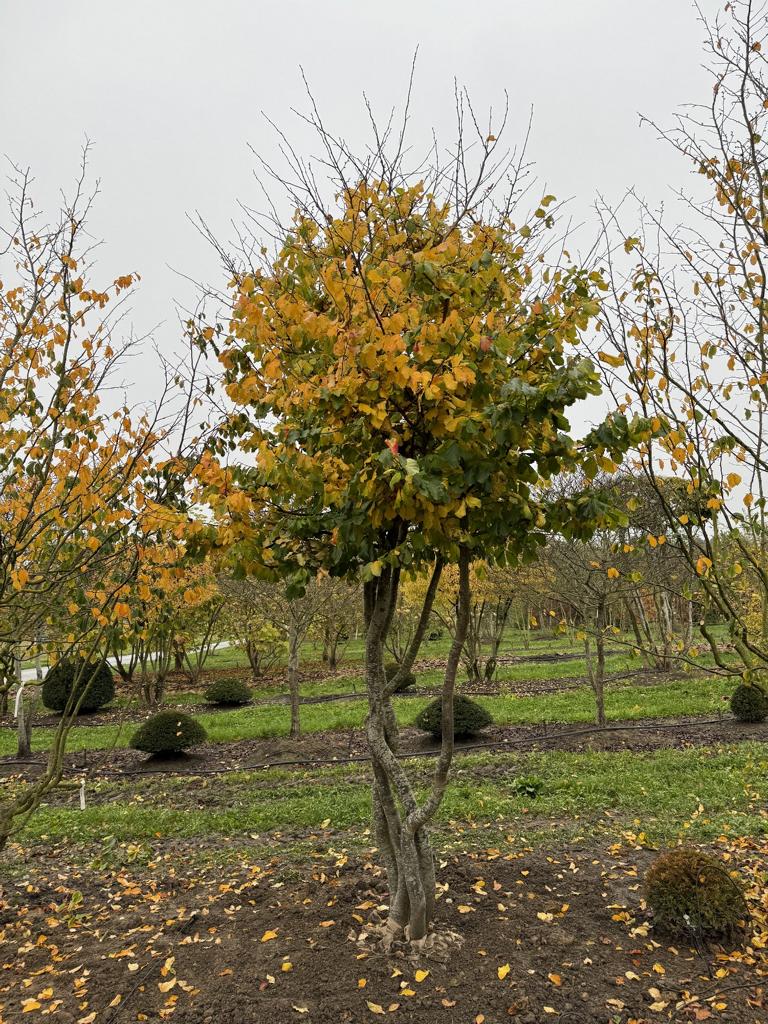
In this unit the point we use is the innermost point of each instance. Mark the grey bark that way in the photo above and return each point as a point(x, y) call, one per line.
point(400, 821)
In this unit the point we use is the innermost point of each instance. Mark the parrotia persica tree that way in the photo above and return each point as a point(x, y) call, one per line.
point(80, 478)
point(688, 330)
point(400, 371)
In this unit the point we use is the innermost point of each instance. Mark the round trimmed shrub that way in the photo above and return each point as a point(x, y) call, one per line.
point(168, 732)
point(749, 703)
point(228, 693)
point(469, 718)
point(93, 677)
point(690, 892)
point(409, 679)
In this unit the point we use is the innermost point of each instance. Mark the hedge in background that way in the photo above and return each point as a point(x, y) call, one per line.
point(228, 692)
point(93, 677)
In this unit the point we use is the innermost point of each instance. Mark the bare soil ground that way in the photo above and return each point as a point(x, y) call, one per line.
point(548, 935)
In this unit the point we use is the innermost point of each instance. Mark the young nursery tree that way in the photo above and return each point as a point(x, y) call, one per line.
point(247, 624)
point(400, 370)
point(338, 617)
point(78, 487)
point(491, 602)
point(688, 343)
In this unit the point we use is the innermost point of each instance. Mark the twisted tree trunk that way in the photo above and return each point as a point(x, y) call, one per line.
point(400, 821)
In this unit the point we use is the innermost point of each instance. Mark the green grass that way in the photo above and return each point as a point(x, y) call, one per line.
point(666, 793)
point(687, 696)
point(426, 679)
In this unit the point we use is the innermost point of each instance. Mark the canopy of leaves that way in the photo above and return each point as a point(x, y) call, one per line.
point(402, 374)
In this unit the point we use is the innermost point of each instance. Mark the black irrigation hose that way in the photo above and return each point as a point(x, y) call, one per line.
point(358, 758)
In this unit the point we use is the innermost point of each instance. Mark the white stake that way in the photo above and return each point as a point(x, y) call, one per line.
point(17, 703)
point(82, 794)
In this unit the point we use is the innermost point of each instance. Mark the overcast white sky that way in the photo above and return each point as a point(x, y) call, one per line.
point(171, 92)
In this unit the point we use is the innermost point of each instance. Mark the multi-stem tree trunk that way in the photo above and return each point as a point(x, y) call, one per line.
point(25, 705)
point(400, 821)
point(656, 653)
point(24, 728)
point(472, 653)
point(500, 616)
point(333, 638)
point(154, 664)
point(253, 654)
point(16, 809)
point(7, 676)
point(294, 642)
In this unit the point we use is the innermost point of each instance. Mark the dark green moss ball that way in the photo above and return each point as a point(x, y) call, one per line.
point(228, 693)
point(168, 732)
point(93, 681)
point(691, 893)
point(749, 704)
point(469, 718)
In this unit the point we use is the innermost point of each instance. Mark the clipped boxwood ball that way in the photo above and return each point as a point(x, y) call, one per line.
point(690, 892)
point(228, 692)
point(469, 717)
point(749, 703)
point(409, 679)
point(93, 677)
point(168, 732)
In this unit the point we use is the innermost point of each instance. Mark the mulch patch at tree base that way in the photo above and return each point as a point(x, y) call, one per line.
point(559, 935)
